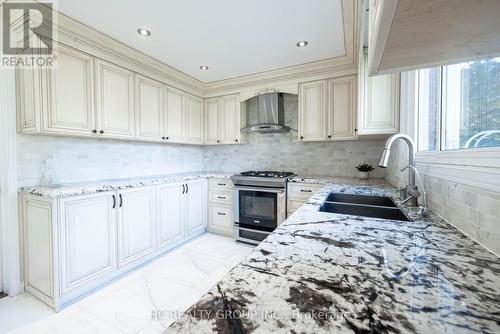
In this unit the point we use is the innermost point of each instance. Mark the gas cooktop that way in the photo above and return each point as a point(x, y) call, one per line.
point(272, 174)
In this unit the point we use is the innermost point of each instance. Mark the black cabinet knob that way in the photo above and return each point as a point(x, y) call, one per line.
point(329, 136)
point(162, 137)
point(236, 140)
point(218, 141)
point(301, 137)
point(101, 132)
point(94, 131)
point(166, 138)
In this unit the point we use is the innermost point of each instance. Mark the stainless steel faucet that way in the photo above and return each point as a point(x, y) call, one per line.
point(411, 192)
point(423, 211)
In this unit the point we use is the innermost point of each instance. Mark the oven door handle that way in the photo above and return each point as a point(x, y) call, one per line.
point(250, 230)
point(262, 189)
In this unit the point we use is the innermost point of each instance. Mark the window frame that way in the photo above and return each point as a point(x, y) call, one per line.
point(488, 157)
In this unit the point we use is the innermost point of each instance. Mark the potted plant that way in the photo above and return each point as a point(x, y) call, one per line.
point(364, 170)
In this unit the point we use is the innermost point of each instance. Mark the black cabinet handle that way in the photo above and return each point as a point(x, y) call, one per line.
point(101, 132)
point(114, 201)
point(221, 213)
point(187, 188)
point(94, 131)
point(221, 184)
point(305, 191)
point(121, 200)
point(183, 189)
point(221, 197)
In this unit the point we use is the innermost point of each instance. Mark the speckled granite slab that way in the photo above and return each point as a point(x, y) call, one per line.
point(83, 188)
point(329, 273)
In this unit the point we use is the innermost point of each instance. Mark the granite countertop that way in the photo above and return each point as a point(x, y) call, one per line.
point(321, 272)
point(83, 188)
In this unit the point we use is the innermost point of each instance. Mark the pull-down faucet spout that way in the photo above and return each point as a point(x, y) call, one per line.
point(384, 160)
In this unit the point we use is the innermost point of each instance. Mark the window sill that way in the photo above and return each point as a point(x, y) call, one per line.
point(487, 157)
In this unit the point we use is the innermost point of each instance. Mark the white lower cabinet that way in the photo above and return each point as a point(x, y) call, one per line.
point(75, 244)
point(87, 239)
point(220, 206)
point(196, 208)
point(136, 223)
point(169, 226)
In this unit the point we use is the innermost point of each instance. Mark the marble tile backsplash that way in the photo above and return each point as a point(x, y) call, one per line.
point(473, 210)
point(284, 152)
point(43, 160)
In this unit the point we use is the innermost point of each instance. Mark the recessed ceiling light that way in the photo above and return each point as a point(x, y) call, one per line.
point(301, 44)
point(144, 32)
point(203, 67)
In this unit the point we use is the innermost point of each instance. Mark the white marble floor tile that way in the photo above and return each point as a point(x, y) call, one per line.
point(145, 301)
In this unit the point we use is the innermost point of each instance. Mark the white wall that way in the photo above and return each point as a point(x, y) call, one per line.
point(464, 190)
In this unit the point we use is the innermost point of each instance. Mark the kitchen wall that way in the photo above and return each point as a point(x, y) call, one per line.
point(464, 196)
point(52, 160)
point(282, 151)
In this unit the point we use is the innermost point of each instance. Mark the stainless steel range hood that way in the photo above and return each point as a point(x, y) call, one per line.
point(271, 114)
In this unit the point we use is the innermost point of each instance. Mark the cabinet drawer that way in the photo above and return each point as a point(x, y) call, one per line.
point(221, 216)
point(221, 184)
point(302, 190)
point(223, 197)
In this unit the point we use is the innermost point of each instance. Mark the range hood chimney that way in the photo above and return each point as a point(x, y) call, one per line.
point(271, 114)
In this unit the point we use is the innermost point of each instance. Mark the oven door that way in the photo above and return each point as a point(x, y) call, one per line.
point(259, 208)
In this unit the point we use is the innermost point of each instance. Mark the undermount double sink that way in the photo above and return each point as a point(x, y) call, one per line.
point(363, 205)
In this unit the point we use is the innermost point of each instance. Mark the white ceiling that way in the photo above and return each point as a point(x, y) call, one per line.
point(232, 37)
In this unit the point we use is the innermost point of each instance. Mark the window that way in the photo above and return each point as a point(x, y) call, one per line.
point(459, 106)
point(429, 102)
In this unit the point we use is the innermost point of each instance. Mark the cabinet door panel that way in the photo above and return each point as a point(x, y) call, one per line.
point(88, 239)
point(115, 107)
point(341, 109)
point(149, 106)
point(212, 131)
point(71, 106)
point(136, 224)
point(196, 212)
point(194, 124)
point(170, 227)
point(312, 110)
point(230, 119)
point(174, 115)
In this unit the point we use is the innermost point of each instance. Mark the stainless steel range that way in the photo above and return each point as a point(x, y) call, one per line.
point(259, 204)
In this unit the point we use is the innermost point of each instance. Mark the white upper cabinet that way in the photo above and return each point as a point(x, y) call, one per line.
point(149, 108)
point(88, 239)
point(136, 223)
point(312, 111)
point(170, 226)
point(379, 103)
point(230, 119)
point(223, 120)
point(70, 93)
point(194, 120)
point(212, 121)
point(175, 101)
point(341, 112)
point(115, 101)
